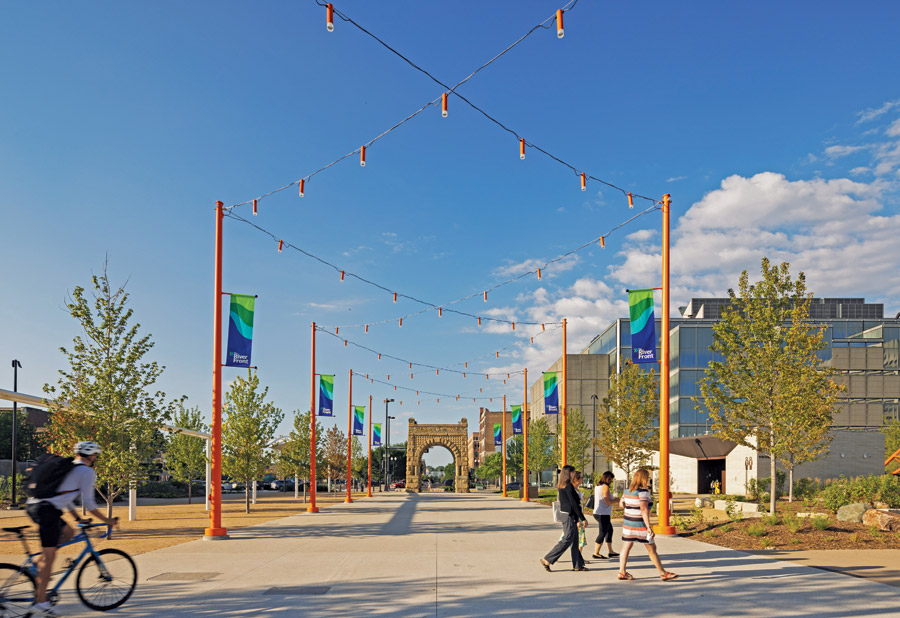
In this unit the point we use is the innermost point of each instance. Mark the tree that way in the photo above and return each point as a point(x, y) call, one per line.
point(248, 426)
point(626, 418)
point(185, 455)
point(294, 456)
point(106, 390)
point(540, 446)
point(515, 454)
point(335, 454)
point(769, 392)
point(491, 467)
point(359, 460)
point(579, 439)
point(28, 447)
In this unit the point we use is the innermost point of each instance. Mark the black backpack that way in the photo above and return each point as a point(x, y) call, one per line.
point(42, 480)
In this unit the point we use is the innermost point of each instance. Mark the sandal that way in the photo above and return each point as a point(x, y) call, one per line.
point(625, 575)
point(581, 568)
point(545, 564)
point(598, 557)
point(668, 576)
point(613, 554)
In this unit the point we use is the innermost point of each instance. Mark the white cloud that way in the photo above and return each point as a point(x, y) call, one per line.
point(641, 235)
point(894, 129)
point(842, 151)
point(861, 170)
point(873, 113)
point(532, 264)
point(676, 178)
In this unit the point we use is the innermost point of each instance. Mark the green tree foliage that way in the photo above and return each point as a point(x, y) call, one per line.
point(107, 390)
point(334, 446)
point(28, 447)
point(627, 417)
point(515, 454)
point(540, 446)
point(491, 467)
point(293, 458)
point(248, 426)
point(770, 392)
point(579, 439)
point(186, 455)
point(449, 472)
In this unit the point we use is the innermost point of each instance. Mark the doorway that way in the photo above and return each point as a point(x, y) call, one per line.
point(710, 471)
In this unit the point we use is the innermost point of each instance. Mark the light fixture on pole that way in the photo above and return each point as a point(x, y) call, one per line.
point(16, 365)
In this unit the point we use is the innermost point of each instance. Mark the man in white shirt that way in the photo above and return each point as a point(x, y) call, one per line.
point(47, 513)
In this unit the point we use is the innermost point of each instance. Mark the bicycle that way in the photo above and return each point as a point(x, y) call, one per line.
point(105, 580)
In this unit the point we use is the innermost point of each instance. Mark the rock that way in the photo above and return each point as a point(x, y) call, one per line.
point(703, 503)
point(853, 512)
point(880, 505)
point(886, 520)
point(749, 507)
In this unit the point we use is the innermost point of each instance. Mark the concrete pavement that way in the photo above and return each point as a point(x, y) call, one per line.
point(466, 555)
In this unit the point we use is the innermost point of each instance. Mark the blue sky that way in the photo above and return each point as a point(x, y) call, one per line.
point(775, 127)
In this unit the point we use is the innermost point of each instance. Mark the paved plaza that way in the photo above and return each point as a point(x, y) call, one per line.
point(474, 554)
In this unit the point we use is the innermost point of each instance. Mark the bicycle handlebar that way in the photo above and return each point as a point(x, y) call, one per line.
point(87, 523)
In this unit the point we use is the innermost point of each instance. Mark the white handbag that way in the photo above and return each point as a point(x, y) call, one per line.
point(558, 515)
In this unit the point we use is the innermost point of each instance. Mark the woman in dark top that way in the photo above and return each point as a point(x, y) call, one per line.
point(569, 503)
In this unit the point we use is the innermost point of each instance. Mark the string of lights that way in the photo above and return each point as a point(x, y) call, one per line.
point(419, 393)
point(430, 306)
point(584, 176)
point(464, 372)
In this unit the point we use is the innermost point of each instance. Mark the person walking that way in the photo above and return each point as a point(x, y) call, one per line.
point(637, 503)
point(570, 505)
point(603, 502)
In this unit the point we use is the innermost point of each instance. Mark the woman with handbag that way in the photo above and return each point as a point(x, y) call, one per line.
point(573, 520)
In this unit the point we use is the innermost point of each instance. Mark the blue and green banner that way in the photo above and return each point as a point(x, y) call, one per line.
point(240, 330)
point(326, 395)
point(359, 415)
point(517, 419)
point(376, 434)
point(551, 392)
point(498, 434)
point(643, 326)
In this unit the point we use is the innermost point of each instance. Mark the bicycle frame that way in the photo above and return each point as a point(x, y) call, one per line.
point(81, 537)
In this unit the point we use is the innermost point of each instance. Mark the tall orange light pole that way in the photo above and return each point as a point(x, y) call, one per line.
point(525, 439)
point(563, 396)
point(503, 443)
point(663, 526)
point(312, 431)
point(349, 498)
point(215, 530)
point(369, 490)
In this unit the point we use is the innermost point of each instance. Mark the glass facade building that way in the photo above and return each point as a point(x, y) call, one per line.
point(862, 345)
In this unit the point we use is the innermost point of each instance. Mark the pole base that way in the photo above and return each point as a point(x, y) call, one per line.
point(348, 499)
point(504, 494)
point(664, 530)
point(368, 494)
point(215, 534)
point(525, 499)
point(312, 509)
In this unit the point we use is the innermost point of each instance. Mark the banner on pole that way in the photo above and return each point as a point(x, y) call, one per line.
point(498, 434)
point(359, 415)
point(326, 395)
point(643, 326)
point(240, 330)
point(516, 419)
point(551, 392)
point(376, 434)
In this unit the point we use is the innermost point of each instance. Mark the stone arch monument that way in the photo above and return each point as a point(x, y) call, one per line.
point(422, 437)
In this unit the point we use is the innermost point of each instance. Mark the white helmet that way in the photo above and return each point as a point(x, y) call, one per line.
point(87, 448)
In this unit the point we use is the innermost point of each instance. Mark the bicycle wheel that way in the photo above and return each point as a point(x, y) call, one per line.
point(106, 584)
point(16, 591)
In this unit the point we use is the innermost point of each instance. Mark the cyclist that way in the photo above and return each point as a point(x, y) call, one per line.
point(47, 513)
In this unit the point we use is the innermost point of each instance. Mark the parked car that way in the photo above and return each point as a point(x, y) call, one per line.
point(448, 483)
point(401, 484)
point(277, 485)
point(513, 486)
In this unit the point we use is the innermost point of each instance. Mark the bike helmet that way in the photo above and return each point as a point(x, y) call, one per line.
point(87, 448)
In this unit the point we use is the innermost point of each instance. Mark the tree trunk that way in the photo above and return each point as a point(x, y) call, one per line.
point(247, 496)
point(772, 484)
point(190, 484)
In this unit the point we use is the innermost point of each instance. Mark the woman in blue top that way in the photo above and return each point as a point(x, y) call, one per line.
point(636, 528)
point(569, 503)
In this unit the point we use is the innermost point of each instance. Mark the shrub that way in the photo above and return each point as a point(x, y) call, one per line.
point(805, 488)
point(732, 510)
point(680, 522)
point(697, 516)
point(874, 532)
point(821, 522)
point(6, 488)
point(793, 523)
point(843, 491)
point(162, 489)
point(771, 520)
point(757, 529)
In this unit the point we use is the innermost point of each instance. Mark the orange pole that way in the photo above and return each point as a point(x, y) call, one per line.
point(215, 530)
point(312, 431)
point(562, 396)
point(349, 498)
point(503, 445)
point(663, 526)
point(525, 439)
point(369, 490)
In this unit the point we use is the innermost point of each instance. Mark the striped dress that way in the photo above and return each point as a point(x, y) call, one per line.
point(633, 528)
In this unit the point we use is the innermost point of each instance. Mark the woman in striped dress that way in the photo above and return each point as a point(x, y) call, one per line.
point(637, 503)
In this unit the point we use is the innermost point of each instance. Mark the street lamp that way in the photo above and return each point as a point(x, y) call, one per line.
point(594, 441)
point(16, 365)
point(387, 440)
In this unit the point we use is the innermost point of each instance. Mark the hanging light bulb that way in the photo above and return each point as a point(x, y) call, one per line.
point(389, 377)
point(280, 245)
point(395, 388)
point(395, 296)
point(440, 312)
point(410, 376)
point(560, 33)
point(532, 340)
point(485, 296)
point(539, 274)
point(362, 156)
point(254, 208)
point(367, 328)
point(514, 325)
point(444, 105)
point(479, 321)
point(437, 372)
point(401, 322)
point(466, 364)
point(410, 365)
point(522, 148)
point(345, 343)
point(329, 17)
point(543, 327)
point(464, 374)
point(336, 328)
point(583, 182)
point(302, 182)
point(379, 356)
point(504, 381)
point(342, 275)
point(497, 353)
point(630, 201)
point(602, 242)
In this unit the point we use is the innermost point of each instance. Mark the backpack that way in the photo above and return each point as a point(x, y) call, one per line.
point(43, 479)
point(590, 503)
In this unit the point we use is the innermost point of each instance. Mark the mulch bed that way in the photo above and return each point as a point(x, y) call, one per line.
point(769, 535)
